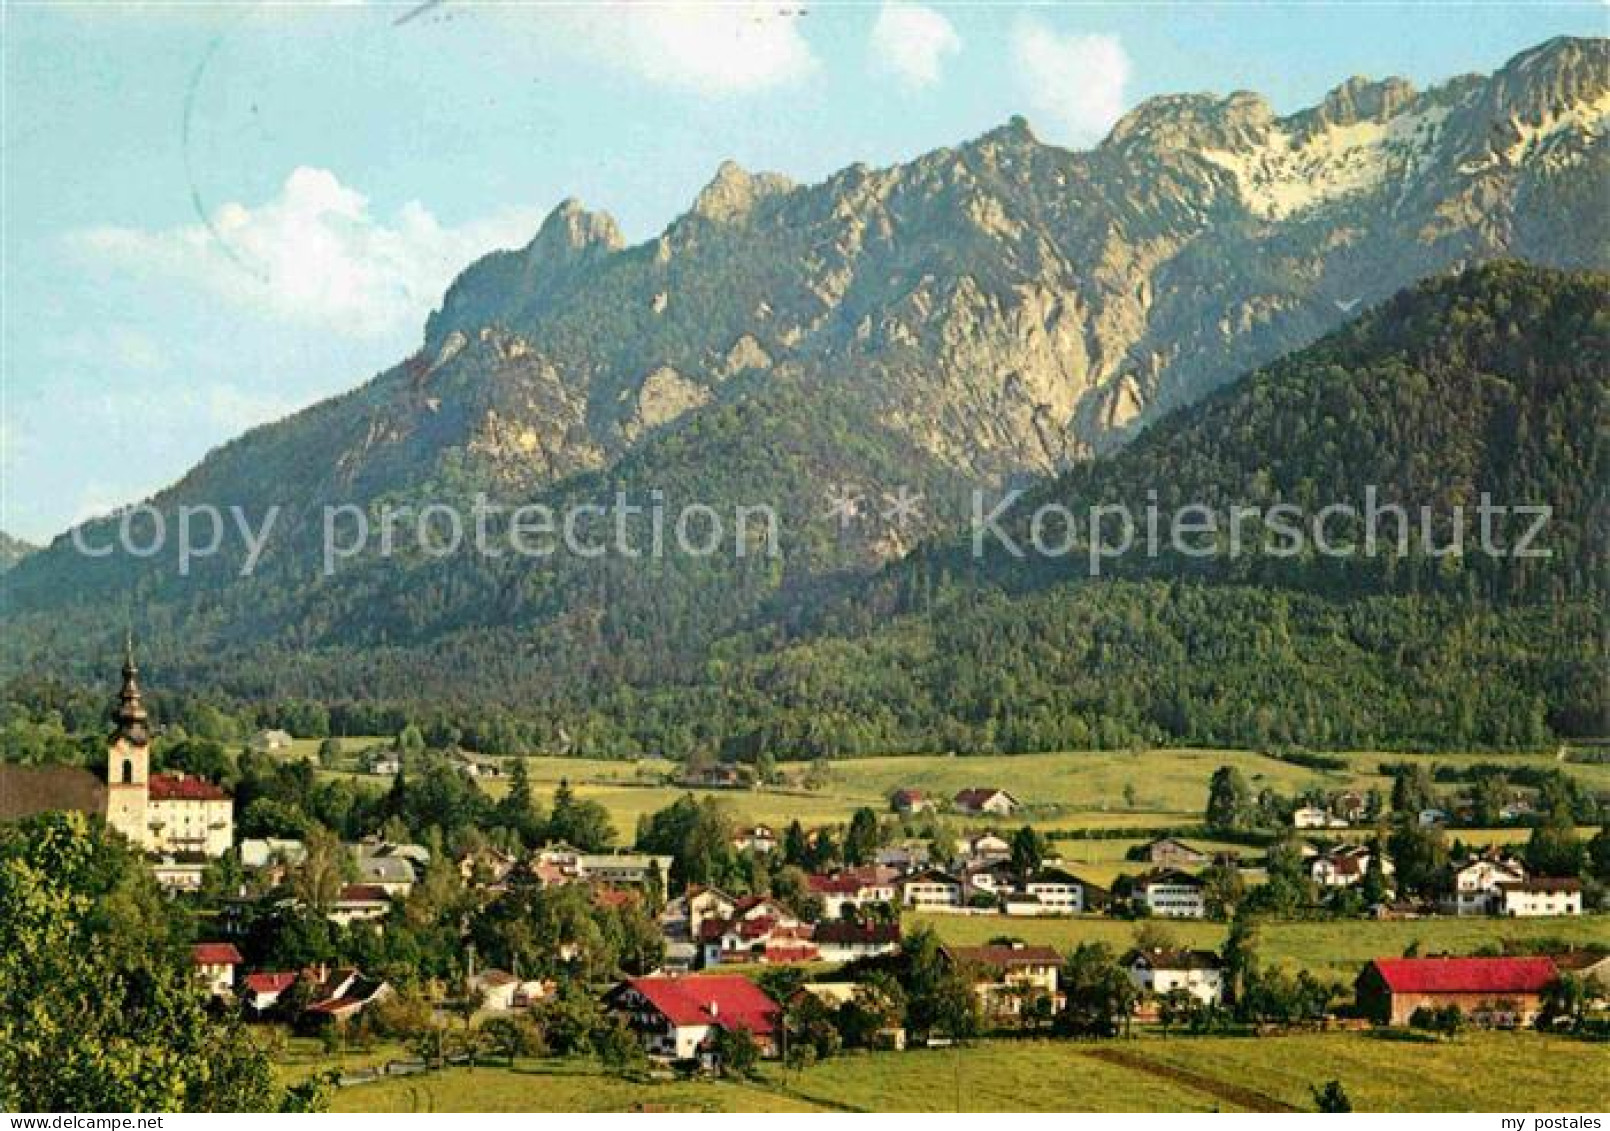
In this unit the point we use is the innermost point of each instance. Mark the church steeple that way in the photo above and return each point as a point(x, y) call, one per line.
point(130, 715)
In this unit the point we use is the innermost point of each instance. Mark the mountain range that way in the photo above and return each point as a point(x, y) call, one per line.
point(988, 315)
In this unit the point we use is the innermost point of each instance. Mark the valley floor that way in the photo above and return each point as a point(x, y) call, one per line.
point(1480, 1071)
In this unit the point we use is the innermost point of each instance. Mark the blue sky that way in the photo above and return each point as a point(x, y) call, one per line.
point(217, 213)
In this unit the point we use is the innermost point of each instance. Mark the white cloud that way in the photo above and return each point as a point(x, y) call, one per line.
point(1074, 82)
point(313, 255)
point(912, 42)
point(710, 49)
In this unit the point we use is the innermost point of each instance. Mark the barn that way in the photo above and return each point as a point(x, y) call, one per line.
point(1499, 991)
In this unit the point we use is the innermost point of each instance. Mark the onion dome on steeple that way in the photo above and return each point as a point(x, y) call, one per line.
point(130, 715)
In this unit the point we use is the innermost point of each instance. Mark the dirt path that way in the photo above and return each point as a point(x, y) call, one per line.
point(1246, 1098)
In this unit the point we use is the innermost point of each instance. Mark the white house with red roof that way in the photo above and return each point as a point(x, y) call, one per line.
point(853, 887)
point(261, 991)
point(215, 964)
point(759, 930)
point(678, 1018)
point(986, 799)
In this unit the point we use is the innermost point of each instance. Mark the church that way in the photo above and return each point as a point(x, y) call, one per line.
point(168, 815)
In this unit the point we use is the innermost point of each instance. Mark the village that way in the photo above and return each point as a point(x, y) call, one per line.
point(713, 944)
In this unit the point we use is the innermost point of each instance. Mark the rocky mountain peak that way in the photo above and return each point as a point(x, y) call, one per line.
point(1192, 121)
point(570, 232)
point(1361, 99)
point(734, 191)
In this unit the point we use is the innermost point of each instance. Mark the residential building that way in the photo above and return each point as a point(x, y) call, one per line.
point(1005, 975)
point(979, 801)
point(1497, 991)
point(392, 874)
point(178, 872)
point(1167, 852)
point(1059, 892)
point(264, 852)
point(1538, 897)
point(846, 940)
point(836, 995)
point(1316, 817)
point(261, 991)
point(1478, 884)
point(344, 994)
point(910, 802)
point(930, 890)
point(360, 903)
point(215, 965)
point(1172, 894)
point(268, 741)
point(856, 887)
point(677, 1018)
point(1199, 973)
point(985, 848)
point(635, 868)
point(755, 838)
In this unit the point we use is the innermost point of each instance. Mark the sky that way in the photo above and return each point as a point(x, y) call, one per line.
point(217, 213)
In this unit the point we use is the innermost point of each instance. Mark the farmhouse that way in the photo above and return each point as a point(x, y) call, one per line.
point(343, 995)
point(1316, 817)
point(1199, 973)
point(1170, 853)
point(1535, 897)
point(677, 1018)
point(980, 800)
point(1500, 991)
point(215, 966)
point(1169, 893)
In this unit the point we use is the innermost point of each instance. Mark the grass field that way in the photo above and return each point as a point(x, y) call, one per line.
point(1332, 948)
point(1476, 1072)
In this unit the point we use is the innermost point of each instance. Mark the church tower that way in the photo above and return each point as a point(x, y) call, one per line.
point(128, 760)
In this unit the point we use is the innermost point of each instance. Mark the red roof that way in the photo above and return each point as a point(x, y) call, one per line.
point(215, 954)
point(177, 787)
point(1004, 957)
point(834, 885)
point(270, 983)
point(364, 893)
point(728, 1000)
point(1465, 975)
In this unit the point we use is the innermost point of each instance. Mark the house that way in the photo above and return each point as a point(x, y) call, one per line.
point(984, 848)
point(342, 995)
point(677, 1018)
point(1498, 991)
point(215, 965)
point(991, 880)
point(760, 929)
point(1199, 973)
point(1538, 896)
point(979, 801)
point(393, 875)
point(261, 991)
point(262, 852)
point(845, 940)
point(720, 776)
point(1521, 809)
point(1005, 974)
point(909, 802)
point(930, 889)
point(175, 872)
point(486, 865)
point(1430, 818)
point(1350, 805)
point(855, 887)
point(387, 765)
point(1343, 866)
point(359, 903)
point(1316, 817)
point(755, 838)
point(477, 765)
point(836, 995)
point(1590, 965)
point(1477, 887)
point(634, 868)
point(1166, 852)
point(682, 917)
point(1172, 894)
point(501, 991)
point(267, 741)
point(1059, 892)
point(905, 857)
